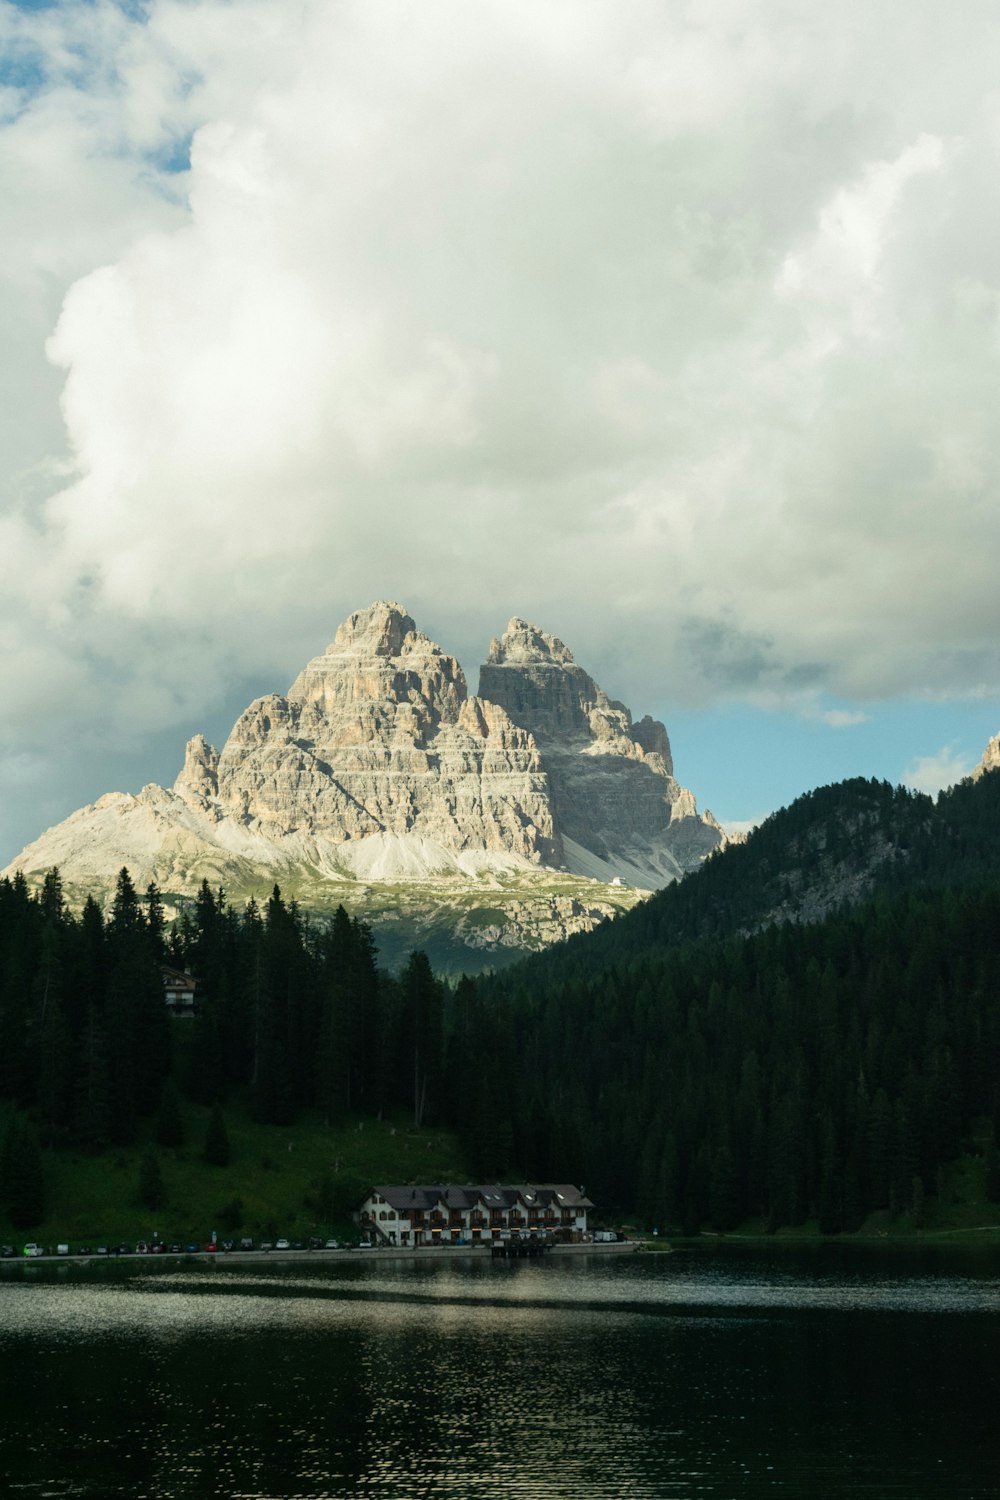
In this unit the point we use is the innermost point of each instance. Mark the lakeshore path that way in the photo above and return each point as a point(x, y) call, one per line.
point(233, 1258)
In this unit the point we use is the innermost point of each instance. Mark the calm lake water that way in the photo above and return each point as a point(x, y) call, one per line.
point(710, 1373)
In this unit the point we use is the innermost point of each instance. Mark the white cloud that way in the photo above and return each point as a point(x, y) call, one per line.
point(932, 773)
point(675, 328)
point(843, 718)
point(737, 826)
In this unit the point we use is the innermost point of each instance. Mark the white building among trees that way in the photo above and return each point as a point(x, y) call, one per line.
point(482, 1213)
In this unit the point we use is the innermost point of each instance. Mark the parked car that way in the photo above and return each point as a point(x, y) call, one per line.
point(331, 1245)
point(246, 1244)
point(103, 1250)
point(33, 1250)
point(175, 1250)
point(282, 1245)
point(7, 1252)
point(227, 1245)
point(266, 1245)
point(142, 1248)
point(211, 1247)
point(191, 1248)
point(298, 1245)
point(85, 1250)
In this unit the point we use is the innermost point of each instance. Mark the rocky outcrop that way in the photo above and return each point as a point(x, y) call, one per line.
point(377, 766)
point(378, 736)
point(198, 782)
point(990, 760)
point(615, 801)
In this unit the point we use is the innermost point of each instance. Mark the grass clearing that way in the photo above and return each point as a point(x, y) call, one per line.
point(296, 1180)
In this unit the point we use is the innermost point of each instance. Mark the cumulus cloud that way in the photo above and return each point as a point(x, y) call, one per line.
point(932, 773)
point(674, 328)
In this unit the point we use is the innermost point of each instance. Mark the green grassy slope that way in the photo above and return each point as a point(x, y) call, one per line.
point(296, 1180)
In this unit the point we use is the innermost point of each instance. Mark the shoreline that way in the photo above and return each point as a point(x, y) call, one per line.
point(231, 1258)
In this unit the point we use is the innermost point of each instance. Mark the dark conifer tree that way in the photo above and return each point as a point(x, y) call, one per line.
point(156, 922)
point(422, 1018)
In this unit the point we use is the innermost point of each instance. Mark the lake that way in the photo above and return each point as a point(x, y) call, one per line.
point(710, 1372)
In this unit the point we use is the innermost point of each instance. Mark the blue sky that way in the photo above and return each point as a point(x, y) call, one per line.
point(675, 330)
point(744, 763)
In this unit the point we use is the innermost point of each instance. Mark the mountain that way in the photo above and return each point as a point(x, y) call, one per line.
point(512, 818)
point(829, 852)
point(616, 805)
point(990, 760)
point(805, 1031)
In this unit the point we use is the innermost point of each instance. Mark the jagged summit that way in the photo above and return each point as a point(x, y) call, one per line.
point(522, 642)
point(990, 760)
point(534, 677)
point(383, 629)
point(378, 656)
point(613, 789)
point(377, 765)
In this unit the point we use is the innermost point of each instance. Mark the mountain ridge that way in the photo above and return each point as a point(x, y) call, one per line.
point(377, 768)
point(832, 850)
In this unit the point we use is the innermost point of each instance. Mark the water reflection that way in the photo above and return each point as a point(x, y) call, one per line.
point(697, 1375)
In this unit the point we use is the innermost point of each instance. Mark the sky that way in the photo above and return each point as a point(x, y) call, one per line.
point(671, 327)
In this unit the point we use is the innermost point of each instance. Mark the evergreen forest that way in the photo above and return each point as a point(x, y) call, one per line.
point(807, 1031)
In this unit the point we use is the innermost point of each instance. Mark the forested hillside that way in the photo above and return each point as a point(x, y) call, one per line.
point(695, 1062)
point(715, 1055)
point(290, 1017)
point(831, 849)
point(808, 1071)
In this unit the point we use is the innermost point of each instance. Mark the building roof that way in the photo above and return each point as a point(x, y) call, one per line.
point(176, 978)
point(405, 1197)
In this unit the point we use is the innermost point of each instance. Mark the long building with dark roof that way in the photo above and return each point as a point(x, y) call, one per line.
point(480, 1213)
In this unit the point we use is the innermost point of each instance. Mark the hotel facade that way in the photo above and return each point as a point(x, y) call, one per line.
point(482, 1213)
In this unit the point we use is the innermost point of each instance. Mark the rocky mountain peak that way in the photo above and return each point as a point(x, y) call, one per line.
point(523, 642)
point(383, 629)
point(534, 678)
point(990, 760)
point(377, 739)
point(378, 656)
point(613, 789)
point(377, 765)
point(198, 781)
point(652, 736)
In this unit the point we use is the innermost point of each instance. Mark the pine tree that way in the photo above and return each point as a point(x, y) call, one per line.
point(422, 1019)
point(156, 922)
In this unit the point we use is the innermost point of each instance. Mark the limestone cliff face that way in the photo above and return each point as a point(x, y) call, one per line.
point(378, 736)
point(613, 791)
point(990, 760)
point(377, 767)
point(198, 782)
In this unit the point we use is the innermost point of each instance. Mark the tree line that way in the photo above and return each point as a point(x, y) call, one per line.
point(682, 1069)
point(292, 1014)
point(809, 1071)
